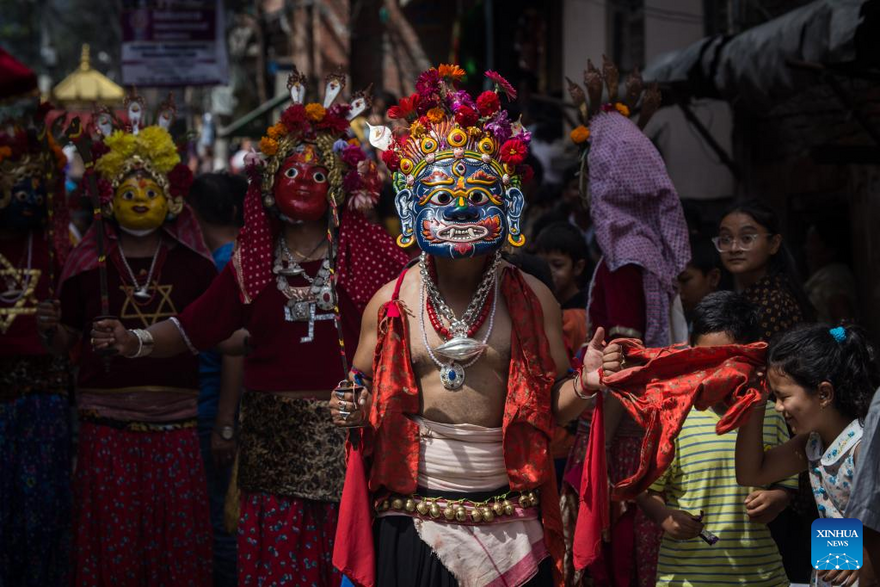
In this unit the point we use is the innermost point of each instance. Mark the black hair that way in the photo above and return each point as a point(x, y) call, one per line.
point(562, 237)
point(218, 198)
point(810, 354)
point(730, 312)
point(533, 265)
point(782, 263)
point(704, 255)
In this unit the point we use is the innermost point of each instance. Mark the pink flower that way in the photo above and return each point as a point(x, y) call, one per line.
point(502, 83)
point(428, 83)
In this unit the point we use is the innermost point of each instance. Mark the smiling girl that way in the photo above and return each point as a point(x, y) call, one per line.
point(753, 251)
point(823, 381)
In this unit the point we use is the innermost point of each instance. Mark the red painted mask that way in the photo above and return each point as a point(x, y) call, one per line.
point(301, 187)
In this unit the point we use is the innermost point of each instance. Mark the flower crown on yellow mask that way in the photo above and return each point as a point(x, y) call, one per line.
point(135, 148)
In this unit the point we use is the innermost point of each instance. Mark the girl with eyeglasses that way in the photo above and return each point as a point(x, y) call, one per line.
point(753, 251)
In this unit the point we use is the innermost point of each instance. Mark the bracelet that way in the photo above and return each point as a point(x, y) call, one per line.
point(145, 343)
point(581, 394)
point(186, 339)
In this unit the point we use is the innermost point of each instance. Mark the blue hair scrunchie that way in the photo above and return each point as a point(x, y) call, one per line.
point(838, 333)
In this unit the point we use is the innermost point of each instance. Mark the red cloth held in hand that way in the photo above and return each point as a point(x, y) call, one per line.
point(659, 394)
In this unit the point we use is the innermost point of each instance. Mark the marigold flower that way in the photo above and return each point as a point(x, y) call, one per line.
point(451, 71)
point(5, 152)
point(622, 108)
point(436, 115)
point(417, 129)
point(268, 146)
point(276, 131)
point(580, 135)
point(315, 112)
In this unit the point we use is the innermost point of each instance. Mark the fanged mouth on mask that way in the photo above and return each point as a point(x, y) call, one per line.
point(462, 236)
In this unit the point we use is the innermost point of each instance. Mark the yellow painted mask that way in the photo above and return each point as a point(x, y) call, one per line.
point(140, 204)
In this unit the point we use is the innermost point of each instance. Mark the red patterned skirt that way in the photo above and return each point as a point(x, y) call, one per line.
point(286, 541)
point(141, 508)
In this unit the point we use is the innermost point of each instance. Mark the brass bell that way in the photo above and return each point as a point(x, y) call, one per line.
point(385, 506)
point(534, 498)
point(397, 503)
point(498, 508)
point(422, 508)
point(461, 514)
point(476, 515)
point(508, 510)
point(449, 513)
point(410, 505)
point(524, 501)
point(434, 510)
point(488, 516)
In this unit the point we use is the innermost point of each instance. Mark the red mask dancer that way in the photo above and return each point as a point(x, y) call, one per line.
point(301, 187)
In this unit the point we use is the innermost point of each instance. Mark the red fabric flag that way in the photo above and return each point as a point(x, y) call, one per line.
point(593, 513)
point(353, 552)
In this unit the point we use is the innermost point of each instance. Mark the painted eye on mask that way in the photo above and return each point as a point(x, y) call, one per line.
point(291, 173)
point(128, 195)
point(441, 198)
point(21, 196)
point(38, 200)
point(319, 177)
point(151, 194)
point(478, 198)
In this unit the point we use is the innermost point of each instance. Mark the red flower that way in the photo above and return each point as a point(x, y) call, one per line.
point(351, 182)
point(405, 109)
point(335, 121)
point(513, 152)
point(526, 173)
point(391, 160)
point(428, 82)
point(179, 180)
point(488, 103)
point(502, 83)
point(352, 155)
point(466, 116)
point(294, 118)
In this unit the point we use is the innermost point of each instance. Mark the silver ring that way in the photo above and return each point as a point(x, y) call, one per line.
point(345, 415)
point(340, 393)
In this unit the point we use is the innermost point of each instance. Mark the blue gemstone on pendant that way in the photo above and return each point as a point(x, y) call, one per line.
point(452, 375)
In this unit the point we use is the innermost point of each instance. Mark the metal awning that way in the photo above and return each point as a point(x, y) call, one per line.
point(753, 68)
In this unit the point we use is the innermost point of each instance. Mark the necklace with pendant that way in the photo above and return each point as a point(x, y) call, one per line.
point(141, 292)
point(301, 301)
point(13, 292)
point(461, 351)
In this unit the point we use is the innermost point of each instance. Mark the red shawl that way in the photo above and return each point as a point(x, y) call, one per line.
point(526, 429)
point(659, 394)
point(84, 257)
point(367, 257)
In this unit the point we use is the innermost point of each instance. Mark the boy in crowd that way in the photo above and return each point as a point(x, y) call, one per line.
point(698, 495)
point(701, 277)
point(563, 247)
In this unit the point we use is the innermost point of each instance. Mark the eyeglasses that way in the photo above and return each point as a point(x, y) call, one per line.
point(746, 241)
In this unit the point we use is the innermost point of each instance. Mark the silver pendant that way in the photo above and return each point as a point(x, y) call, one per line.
point(460, 348)
point(297, 311)
point(141, 293)
point(452, 376)
point(325, 298)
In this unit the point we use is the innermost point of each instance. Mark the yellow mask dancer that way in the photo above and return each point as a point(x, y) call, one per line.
point(139, 204)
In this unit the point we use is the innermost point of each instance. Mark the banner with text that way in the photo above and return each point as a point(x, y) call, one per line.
point(173, 43)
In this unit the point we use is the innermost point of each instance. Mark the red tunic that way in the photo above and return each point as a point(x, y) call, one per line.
point(18, 325)
point(617, 301)
point(278, 361)
point(526, 426)
point(181, 276)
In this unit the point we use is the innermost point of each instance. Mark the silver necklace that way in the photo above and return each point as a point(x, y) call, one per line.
point(459, 348)
point(140, 291)
point(12, 294)
point(301, 301)
point(459, 326)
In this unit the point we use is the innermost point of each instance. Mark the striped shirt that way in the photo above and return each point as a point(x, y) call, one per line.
point(702, 477)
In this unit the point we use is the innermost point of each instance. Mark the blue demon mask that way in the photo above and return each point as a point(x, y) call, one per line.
point(27, 205)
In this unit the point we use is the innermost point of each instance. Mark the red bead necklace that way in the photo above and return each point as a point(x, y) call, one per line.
point(442, 330)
